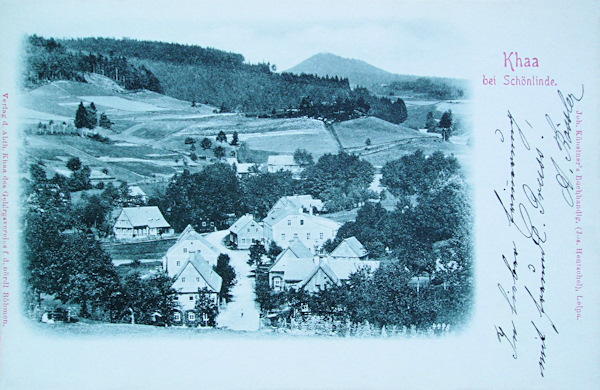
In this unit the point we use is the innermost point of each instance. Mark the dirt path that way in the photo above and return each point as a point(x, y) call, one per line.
point(241, 313)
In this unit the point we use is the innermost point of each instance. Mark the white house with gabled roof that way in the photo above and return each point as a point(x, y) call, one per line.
point(246, 231)
point(189, 243)
point(285, 224)
point(141, 222)
point(194, 275)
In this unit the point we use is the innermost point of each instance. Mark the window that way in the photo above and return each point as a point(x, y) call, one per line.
point(321, 236)
point(277, 284)
point(243, 240)
point(184, 250)
point(289, 222)
point(178, 263)
point(308, 236)
point(301, 222)
point(248, 230)
point(205, 317)
point(203, 223)
point(283, 236)
point(177, 316)
point(191, 316)
point(304, 307)
point(183, 279)
point(197, 278)
point(191, 297)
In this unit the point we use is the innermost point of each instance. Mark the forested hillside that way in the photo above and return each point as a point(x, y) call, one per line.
point(48, 60)
point(217, 77)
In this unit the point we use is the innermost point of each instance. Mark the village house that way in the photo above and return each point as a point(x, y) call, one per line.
point(285, 224)
point(245, 231)
point(141, 223)
point(189, 242)
point(351, 249)
point(283, 162)
point(297, 268)
point(193, 276)
point(135, 192)
point(242, 170)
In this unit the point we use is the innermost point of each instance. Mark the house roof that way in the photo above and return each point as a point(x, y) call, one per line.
point(276, 216)
point(144, 216)
point(189, 234)
point(297, 248)
point(344, 268)
point(298, 202)
point(282, 160)
point(296, 270)
point(136, 191)
point(204, 269)
point(324, 266)
point(241, 223)
point(349, 248)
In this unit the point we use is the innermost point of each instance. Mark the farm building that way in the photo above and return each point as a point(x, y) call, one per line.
point(137, 192)
point(283, 163)
point(299, 202)
point(245, 231)
point(141, 223)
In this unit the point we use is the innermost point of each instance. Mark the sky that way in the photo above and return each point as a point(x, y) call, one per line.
point(423, 38)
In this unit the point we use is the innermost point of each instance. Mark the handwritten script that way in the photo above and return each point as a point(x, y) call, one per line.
point(532, 170)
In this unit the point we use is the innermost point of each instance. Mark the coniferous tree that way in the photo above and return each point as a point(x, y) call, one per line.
point(81, 116)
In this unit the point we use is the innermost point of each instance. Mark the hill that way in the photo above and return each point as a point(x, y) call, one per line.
point(356, 71)
point(379, 81)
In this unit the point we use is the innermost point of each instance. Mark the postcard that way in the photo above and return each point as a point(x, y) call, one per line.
point(299, 195)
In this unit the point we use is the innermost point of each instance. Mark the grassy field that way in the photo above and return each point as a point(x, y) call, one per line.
point(139, 250)
point(355, 132)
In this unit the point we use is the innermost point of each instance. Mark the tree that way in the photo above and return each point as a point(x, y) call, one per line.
point(336, 177)
point(148, 300)
point(221, 137)
point(303, 157)
point(81, 116)
point(368, 142)
point(92, 116)
point(37, 173)
point(92, 212)
point(234, 139)
point(430, 124)
point(257, 251)
point(219, 152)
point(416, 174)
point(206, 308)
point(74, 164)
point(274, 251)
point(263, 190)
point(80, 179)
point(206, 143)
point(227, 274)
point(446, 125)
point(105, 122)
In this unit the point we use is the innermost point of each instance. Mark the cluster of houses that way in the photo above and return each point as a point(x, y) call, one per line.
point(292, 223)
